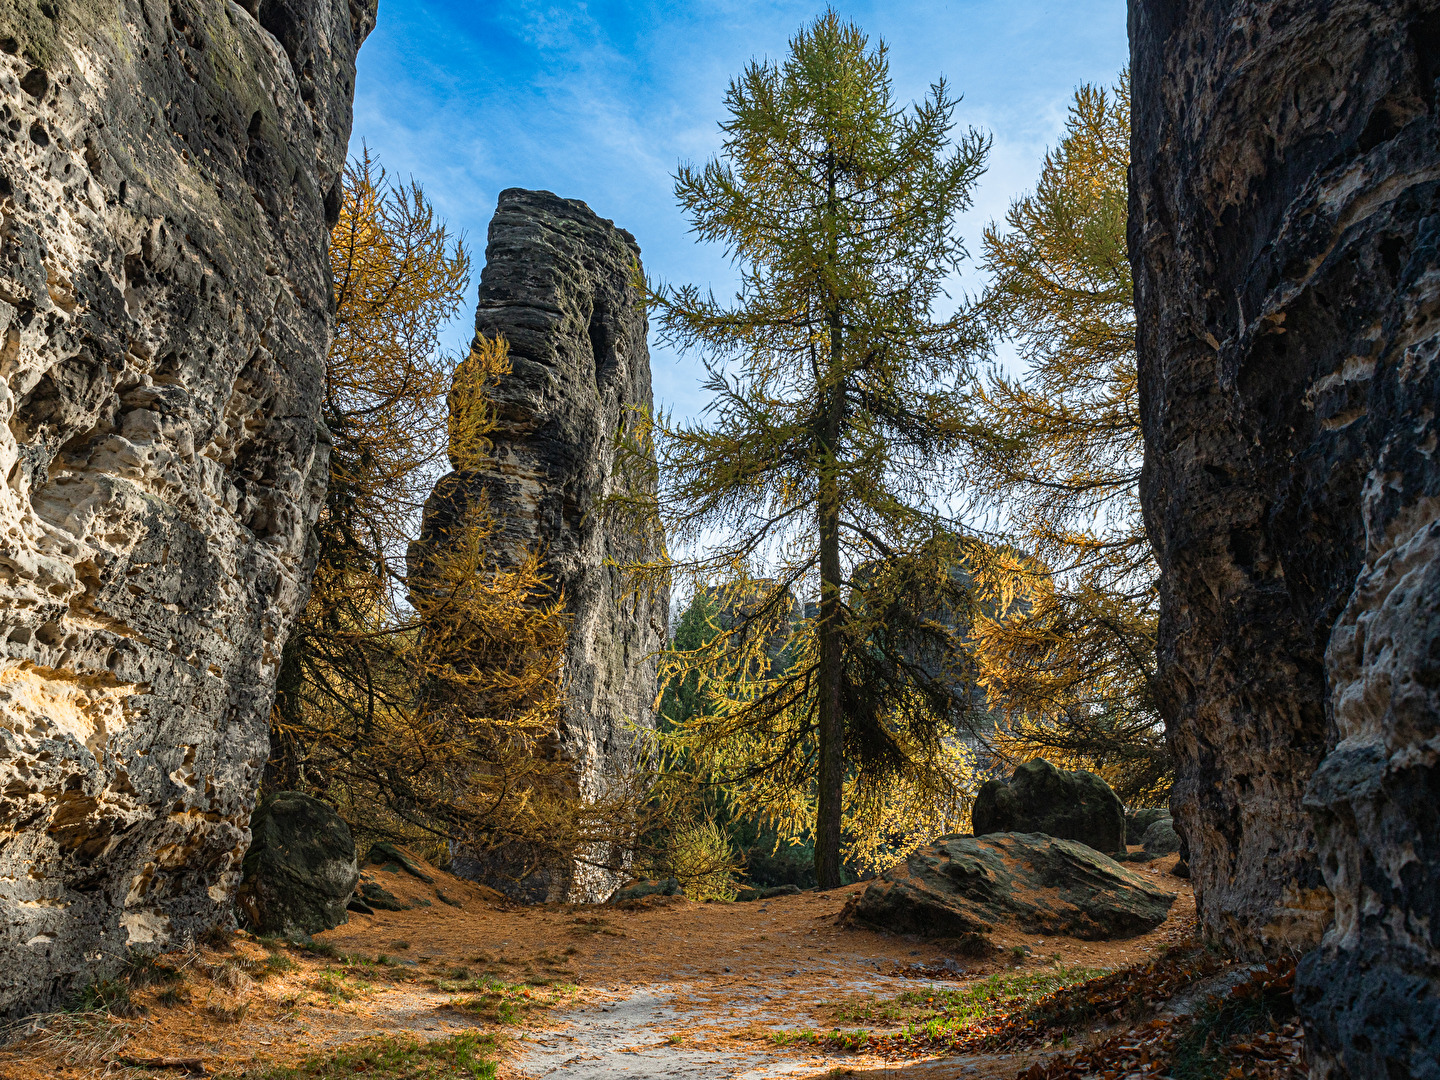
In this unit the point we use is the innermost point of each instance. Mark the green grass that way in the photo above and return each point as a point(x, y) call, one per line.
point(461, 1057)
point(938, 1014)
point(104, 995)
point(142, 969)
point(341, 986)
point(841, 1040)
point(508, 1003)
point(1200, 1053)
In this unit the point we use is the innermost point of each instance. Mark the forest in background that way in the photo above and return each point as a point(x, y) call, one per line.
point(904, 571)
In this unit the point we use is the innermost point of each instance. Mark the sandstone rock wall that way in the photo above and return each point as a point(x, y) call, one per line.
point(1285, 210)
point(166, 174)
point(557, 285)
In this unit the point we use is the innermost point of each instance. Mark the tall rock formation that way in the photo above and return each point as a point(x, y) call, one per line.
point(166, 175)
point(558, 286)
point(1285, 235)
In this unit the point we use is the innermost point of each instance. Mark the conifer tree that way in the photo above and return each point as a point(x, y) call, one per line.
point(837, 404)
point(1057, 453)
point(422, 710)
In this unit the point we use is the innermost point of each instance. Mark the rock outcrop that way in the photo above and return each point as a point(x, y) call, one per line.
point(1040, 798)
point(962, 885)
point(300, 871)
point(1285, 237)
point(558, 285)
point(166, 175)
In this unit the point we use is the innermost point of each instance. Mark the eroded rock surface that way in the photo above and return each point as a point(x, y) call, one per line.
point(165, 174)
point(963, 885)
point(1285, 234)
point(558, 286)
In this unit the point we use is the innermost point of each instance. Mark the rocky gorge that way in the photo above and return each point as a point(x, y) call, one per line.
point(167, 175)
point(1283, 220)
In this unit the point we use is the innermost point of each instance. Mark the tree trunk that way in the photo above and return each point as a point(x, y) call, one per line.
point(831, 779)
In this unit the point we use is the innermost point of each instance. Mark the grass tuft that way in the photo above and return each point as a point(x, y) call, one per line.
point(461, 1057)
point(105, 995)
point(144, 969)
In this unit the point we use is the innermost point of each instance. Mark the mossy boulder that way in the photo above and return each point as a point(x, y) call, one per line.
point(1040, 798)
point(1161, 838)
point(764, 893)
point(300, 871)
point(1137, 821)
point(637, 890)
point(965, 885)
point(385, 855)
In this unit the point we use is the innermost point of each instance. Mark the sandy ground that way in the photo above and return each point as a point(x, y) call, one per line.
point(672, 989)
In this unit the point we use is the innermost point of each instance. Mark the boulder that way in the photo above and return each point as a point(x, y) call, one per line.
point(385, 854)
point(964, 885)
point(637, 890)
point(1137, 821)
point(558, 285)
point(168, 175)
point(300, 872)
point(767, 893)
point(1041, 798)
point(375, 895)
point(1161, 838)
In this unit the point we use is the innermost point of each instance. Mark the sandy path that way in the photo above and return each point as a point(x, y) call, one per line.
point(681, 1031)
point(672, 989)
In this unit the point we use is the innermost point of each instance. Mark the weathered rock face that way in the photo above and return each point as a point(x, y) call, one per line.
point(165, 173)
point(963, 885)
point(1284, 226)
point(300, 870)
point(557, 285)
point(1040, 798)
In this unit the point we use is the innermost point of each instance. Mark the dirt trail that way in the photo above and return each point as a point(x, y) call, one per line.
point(672, 989)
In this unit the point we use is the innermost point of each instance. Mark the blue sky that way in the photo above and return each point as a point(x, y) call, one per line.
point(600, 101)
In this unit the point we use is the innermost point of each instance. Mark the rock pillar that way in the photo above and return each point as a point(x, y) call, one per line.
point(167, 172)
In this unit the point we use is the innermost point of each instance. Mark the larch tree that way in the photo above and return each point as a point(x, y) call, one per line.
point(837, 396)
point(1057, 454)
point(419, 708)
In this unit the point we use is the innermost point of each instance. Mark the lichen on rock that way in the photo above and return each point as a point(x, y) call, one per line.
point(300, 870)
point(962, 885)
point(166, 176)
point(1067, 804)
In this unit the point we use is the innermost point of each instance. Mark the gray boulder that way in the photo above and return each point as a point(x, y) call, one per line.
point(964, 885)
point(1161, 838)
point(1137, 821)
point(638, 890)
point(300, 871)
point(767, 893)
point(1041, 798)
